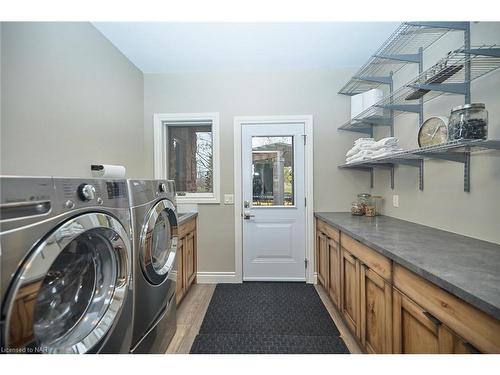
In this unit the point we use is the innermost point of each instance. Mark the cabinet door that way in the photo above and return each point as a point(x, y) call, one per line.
point(461, 346)
point(334, 271)
point(416, 331)
point(321, 259)
point(180, 268)
point(349, 273)
point(375, 312)
point(190, 258)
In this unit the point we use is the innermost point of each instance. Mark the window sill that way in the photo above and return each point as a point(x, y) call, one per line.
point(197, 200)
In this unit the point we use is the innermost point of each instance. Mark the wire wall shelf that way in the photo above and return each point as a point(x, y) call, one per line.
point(455, 151)
point(451, 75)
point(403, 47)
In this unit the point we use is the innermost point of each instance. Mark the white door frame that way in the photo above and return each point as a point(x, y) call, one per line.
point(239, 121)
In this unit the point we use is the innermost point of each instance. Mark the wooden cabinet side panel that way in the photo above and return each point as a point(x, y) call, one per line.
point(180, 266)
point(322, 261)
point(334, 272)
point(190, 259)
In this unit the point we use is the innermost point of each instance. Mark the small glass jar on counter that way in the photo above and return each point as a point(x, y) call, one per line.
point(357, 209)
point(469, 121)
point(364, 198)
point(375, 206)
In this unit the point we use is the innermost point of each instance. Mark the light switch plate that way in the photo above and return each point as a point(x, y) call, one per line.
point(228, 198)
point(395, 200)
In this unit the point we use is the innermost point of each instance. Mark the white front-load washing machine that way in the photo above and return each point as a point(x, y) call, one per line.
point(66, 266)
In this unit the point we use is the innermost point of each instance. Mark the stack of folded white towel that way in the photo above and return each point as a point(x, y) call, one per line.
point(368, 148)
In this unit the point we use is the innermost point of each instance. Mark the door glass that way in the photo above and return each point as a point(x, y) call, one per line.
point(76, 292)
point(272, 170)
point(162, 241)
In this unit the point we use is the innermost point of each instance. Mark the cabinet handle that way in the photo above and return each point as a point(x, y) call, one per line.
point(471, 348)
point(432, 318)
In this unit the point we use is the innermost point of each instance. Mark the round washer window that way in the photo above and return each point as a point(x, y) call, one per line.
point(162, 243)
point(76, 291)
point(158, 243)
point(70, 291)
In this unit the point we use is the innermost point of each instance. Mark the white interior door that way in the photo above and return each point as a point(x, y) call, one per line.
point(273, 199)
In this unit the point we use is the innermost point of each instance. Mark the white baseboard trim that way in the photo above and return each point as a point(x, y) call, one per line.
point(216, 277)
point(298, 279)
point(315, 278)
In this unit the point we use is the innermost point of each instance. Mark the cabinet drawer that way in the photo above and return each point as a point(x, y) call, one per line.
point(328, 230)
point(187, 227)
point(377, 262)
point(471, 324)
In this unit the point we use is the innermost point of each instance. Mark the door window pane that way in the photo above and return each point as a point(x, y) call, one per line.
point(272, 169)
point(190, 162)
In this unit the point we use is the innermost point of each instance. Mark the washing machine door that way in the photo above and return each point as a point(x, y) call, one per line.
point(69, 292)
point(158, 242)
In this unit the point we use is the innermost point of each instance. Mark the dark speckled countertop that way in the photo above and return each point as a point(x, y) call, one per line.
point(185, 216)
point(466, 267)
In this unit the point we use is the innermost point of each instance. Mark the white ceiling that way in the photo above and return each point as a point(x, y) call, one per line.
point(163, 47)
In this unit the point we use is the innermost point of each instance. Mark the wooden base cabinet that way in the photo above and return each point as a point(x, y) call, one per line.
point(334, 271)
point(375, 312)
point(322, 259)
point(186, 258)
point(390, 309)
point(416, 331)
point(349, 282)
point(179, 291)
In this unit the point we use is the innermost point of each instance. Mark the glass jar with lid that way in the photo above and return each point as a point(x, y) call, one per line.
point(469, 121)
point(365, 199)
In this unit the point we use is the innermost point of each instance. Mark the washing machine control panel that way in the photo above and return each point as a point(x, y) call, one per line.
point(76, 193)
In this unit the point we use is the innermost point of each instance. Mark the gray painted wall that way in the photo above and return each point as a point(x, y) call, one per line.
point(248, 94)
point(69, 98)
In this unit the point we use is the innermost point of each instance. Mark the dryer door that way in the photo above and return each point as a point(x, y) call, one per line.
point(68, 294)
point(158, 243)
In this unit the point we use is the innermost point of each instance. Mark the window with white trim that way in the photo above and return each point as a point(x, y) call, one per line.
point(187, 152)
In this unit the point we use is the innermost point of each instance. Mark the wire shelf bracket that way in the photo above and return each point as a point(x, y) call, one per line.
point(452, 88)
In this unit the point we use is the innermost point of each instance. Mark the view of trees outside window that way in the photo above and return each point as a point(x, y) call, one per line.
point(190, 158)
point(272, 169)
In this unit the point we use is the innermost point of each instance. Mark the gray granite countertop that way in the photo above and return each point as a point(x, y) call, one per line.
point(466, 267)
point(185, 216)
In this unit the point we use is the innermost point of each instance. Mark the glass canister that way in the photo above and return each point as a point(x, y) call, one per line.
point(364, 199)
point(357, 209)
point(375, 206)
point(469, 121)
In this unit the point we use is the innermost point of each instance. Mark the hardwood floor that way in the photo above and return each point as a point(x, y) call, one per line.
point(190, 315)
point(193, 307)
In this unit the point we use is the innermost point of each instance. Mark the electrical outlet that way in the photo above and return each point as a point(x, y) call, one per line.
point(395, 200)
point(228, 198)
